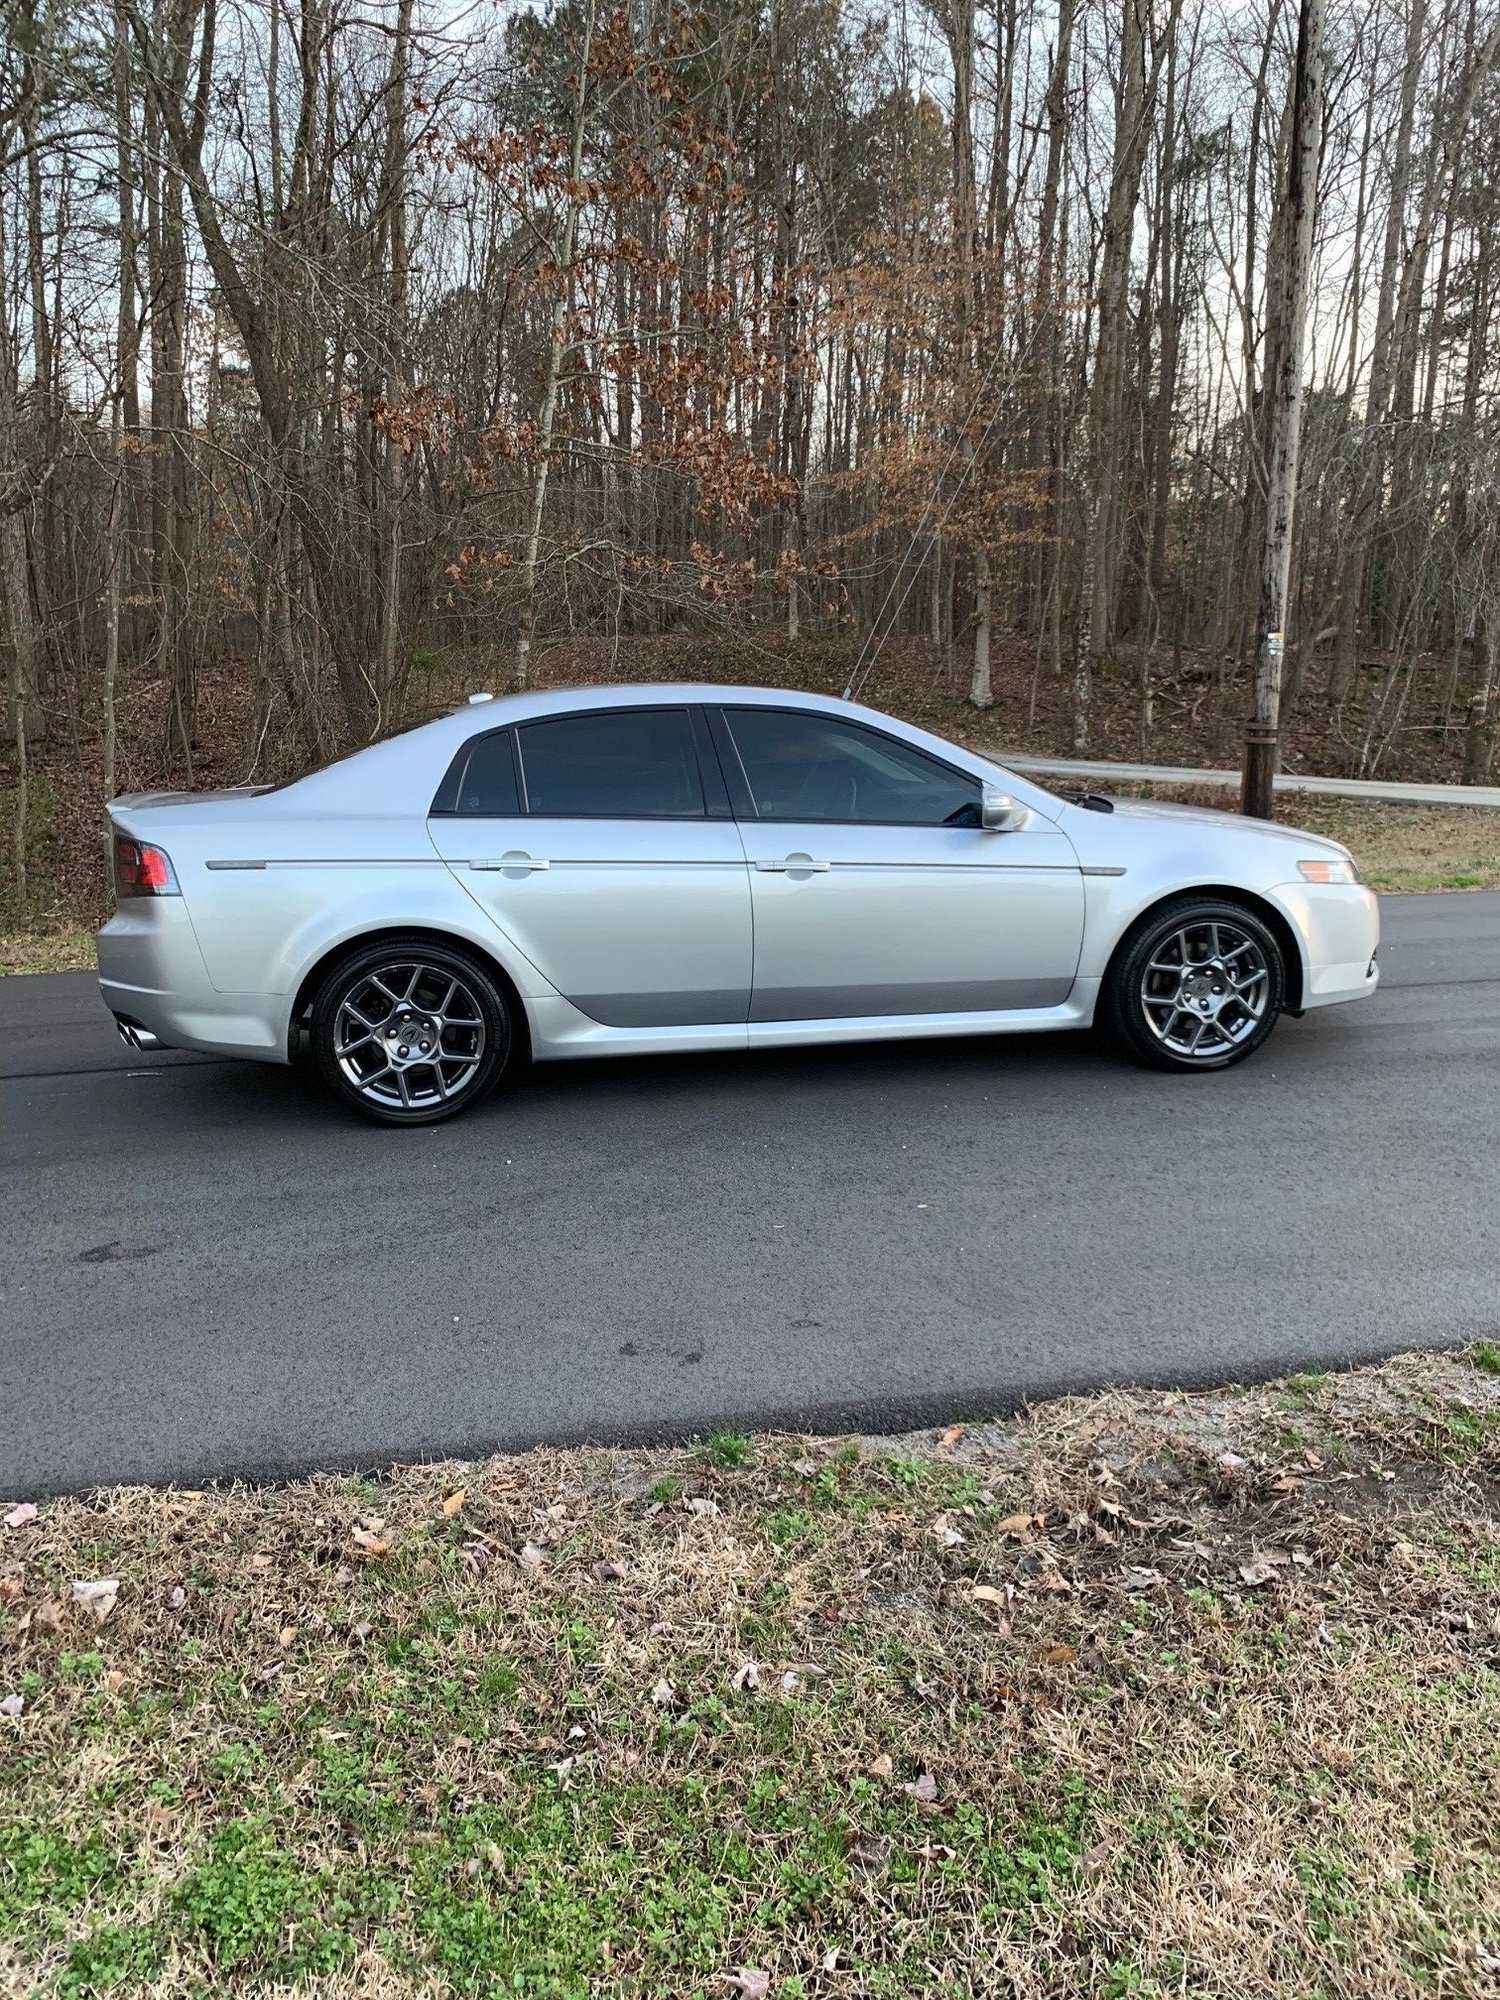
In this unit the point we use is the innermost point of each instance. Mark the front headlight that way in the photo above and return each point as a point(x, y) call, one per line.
point(1329, 871)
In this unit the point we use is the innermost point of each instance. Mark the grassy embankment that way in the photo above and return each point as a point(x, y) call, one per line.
point(1141, 1695)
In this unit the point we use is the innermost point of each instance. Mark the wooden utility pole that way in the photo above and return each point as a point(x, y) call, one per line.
point(1284, 388)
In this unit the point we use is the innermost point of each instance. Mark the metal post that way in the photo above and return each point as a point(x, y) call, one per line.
point(1284, 387)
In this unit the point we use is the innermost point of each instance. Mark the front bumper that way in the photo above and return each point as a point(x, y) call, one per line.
point(153, 980)
point(1338, 926)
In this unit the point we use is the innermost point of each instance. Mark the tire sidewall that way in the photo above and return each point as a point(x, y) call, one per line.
point(358, 964)
point(1123, 1008)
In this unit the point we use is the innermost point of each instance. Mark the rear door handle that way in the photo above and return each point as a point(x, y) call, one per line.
point(794, 864)
point(522, 864)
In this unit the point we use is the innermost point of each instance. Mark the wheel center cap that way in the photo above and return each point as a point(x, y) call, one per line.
point(1204, 989)
point(410, 1038)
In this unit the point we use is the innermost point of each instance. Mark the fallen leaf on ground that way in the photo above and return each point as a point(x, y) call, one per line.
point(986, 1593)
point(369, 1544)
point(950, 1437)
point(19, 1516)
point(924, 1788)
point(1254, 1573)
point(454, 1501)
point(1055, 1656)
point(608, 1572)
point(746, 1675)
point(1015, 1524)
point(882, 1767)
point(932, 1850)
point(1140, 1579)
point(12, 1704)
point(532, 1556)
point(98, 1596)
point(663, 1694)
point(750, 1982)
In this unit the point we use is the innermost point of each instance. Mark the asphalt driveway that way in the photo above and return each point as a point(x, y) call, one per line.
point(207, 1268)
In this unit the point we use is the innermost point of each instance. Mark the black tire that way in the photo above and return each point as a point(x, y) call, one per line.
point(445, 1041)
point(1166, 986)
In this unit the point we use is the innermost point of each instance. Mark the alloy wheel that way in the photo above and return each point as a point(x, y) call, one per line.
point(1205, 990)
point(408, 1035)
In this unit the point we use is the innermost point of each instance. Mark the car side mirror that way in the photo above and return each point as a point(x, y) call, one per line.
point(1000, 813)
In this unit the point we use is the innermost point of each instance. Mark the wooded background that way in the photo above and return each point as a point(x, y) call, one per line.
point(355, 350)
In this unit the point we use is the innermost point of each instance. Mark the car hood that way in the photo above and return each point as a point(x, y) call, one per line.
point(1206, 816)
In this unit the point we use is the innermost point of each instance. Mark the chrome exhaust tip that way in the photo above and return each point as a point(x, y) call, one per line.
point(133, 1035)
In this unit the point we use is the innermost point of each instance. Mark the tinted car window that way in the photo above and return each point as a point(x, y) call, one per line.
point(488, 785)
point(815, 767)
point(618, 764)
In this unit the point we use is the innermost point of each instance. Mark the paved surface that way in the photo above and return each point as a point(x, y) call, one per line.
point(208, 1268)
point(1485, 796)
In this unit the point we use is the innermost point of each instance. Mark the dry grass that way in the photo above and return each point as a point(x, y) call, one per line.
point(1407, 847)
point(1397, 847)
point(1138, 1695)
point(66, 950)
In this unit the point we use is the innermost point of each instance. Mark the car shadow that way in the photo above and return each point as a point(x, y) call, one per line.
point(255, 1094)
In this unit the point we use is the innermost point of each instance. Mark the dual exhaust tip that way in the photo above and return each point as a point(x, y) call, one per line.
point(134, 1036)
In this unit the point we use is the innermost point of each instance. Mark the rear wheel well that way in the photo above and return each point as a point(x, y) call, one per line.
point(312, 979)
point(1270, 916)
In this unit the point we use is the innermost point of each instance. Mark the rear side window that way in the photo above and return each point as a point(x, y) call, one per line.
point(483, 782)
point(615, 764)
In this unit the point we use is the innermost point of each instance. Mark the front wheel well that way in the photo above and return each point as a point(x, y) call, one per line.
point(1270, 916)
point(313, 978)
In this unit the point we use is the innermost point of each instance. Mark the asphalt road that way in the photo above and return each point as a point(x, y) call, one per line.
point(207, 1268)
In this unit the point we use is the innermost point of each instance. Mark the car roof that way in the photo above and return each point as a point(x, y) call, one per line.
point(406, 770)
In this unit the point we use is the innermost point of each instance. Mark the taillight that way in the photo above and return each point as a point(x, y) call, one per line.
point(142, 870)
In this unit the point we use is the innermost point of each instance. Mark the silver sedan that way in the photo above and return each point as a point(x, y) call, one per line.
point(614, 871)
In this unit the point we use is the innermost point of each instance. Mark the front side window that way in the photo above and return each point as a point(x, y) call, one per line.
point(816, 767)
point(615, 764)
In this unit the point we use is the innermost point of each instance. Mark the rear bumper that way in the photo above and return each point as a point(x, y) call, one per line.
point(153, 980)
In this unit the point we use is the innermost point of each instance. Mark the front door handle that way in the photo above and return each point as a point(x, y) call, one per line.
point(794, 864)
point(516, 863)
